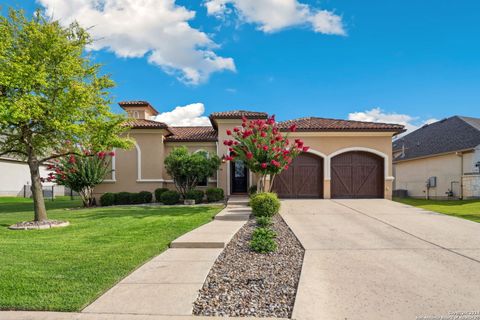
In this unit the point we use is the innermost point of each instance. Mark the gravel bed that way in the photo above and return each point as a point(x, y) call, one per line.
point(38, 225)
point(245, 283)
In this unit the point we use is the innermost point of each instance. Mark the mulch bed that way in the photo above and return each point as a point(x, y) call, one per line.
point(245, 283)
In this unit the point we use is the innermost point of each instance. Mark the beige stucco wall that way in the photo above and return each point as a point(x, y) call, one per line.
point(412, 175)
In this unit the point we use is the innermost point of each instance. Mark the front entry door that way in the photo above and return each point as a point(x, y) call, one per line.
point(239, 177)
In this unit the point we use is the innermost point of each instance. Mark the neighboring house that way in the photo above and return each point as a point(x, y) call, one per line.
point(440, 160)
point(347, 159)
point(15, 178)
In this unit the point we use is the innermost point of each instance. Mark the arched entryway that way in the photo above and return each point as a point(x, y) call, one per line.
point(357, 174)
point(303, 179)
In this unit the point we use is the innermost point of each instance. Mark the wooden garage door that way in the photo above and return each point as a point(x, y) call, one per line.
point(303, 179)
point(357, 175)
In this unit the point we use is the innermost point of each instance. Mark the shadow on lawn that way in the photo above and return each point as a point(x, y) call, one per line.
point(140, 212)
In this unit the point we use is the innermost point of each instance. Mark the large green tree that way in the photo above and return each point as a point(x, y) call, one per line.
point(53, 99)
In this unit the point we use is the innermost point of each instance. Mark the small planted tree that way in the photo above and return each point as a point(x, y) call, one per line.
point(263, 148)
point(188, 169)
point(53, 99)
point(82, 173)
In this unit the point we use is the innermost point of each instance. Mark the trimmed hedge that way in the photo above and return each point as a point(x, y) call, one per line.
point(107, 199)
point(196, 195)
point(122, 198)
point(170, 197)
point(265, 204)
point(146, 196)
point(158, 193)
point(215, 194)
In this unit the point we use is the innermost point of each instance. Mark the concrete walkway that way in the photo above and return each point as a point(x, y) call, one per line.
point(377, 259)
point(169, 284)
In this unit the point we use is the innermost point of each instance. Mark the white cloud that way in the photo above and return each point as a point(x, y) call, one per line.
point(411, 123)
point(189, 115)
point(275, 15)
point(156, 29)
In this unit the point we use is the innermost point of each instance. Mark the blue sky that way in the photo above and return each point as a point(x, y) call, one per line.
point(414, 60)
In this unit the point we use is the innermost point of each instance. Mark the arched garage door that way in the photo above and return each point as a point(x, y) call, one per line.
point(303, 179)
point(357, 174)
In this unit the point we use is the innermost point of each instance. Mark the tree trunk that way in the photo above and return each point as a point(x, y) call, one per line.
point(37, 192)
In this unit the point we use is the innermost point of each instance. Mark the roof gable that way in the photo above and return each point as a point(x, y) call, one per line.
point(448, 135)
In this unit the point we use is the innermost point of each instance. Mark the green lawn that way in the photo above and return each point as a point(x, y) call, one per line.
point(64, 269)
point(466, 209)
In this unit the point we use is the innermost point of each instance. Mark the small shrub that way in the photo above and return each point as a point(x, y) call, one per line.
point(135, 198)
point(170, 197)
point(215, 194)
point(196, 195)
point(158, 193)
point(107, 199)
point(263, 240)
point(122, 198)
point(265, 204)
point(252, 191)
point(146, 196)
point(264, 221)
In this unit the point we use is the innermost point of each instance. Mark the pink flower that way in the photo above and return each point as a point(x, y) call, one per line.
point(264, 165)
point(244, 124)
point(263, 134)
point(305, 149)
point(71, 159)
point(229, 132)
point(228, 158)
point(249, 155)
point(272, 141)
point(292, 128)
point(286, 167)
point(111, 154)
point(244, 119)
point(271, 120)
point(275, 163)
point(236, 129)
point(101, 154)
point(265, 148)
point(279, 138)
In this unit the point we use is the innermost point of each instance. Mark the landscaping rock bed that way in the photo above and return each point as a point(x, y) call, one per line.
point(38, 225)
point(245, 283)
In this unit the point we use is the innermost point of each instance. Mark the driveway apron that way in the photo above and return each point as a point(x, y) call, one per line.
point(377, 259)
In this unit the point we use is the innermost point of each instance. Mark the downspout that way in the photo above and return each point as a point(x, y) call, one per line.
point(461, 176)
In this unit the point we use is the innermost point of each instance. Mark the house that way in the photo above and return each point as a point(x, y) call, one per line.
point(15, 179)
point(440, 160)
point(347, 159)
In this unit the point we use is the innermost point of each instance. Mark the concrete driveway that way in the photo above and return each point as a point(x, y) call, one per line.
point(378, 259)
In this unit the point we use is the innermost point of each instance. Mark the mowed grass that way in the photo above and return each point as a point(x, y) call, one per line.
point(466, 209)
point(65, 269)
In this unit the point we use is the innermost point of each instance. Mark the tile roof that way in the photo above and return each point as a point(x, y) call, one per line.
point(192, 134)
point(448, 135)
point(145, 124)
point(138, 103)
point(312, 124)
point(237, 114)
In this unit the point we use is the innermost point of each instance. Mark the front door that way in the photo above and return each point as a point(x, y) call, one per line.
point(239, 177)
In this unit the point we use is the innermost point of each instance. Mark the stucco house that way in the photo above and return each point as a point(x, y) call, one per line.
point(347, 159)
point(15, 178)
point(440, 160)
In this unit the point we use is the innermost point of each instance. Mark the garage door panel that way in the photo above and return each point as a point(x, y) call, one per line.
point(357, 175)
point(307, 184)
point(303, 179)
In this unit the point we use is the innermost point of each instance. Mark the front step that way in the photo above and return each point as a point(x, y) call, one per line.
point(216, 234)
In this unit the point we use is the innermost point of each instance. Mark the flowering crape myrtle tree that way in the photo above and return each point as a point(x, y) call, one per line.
point(81, 173)
point(51, 93)
point(263, 148)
